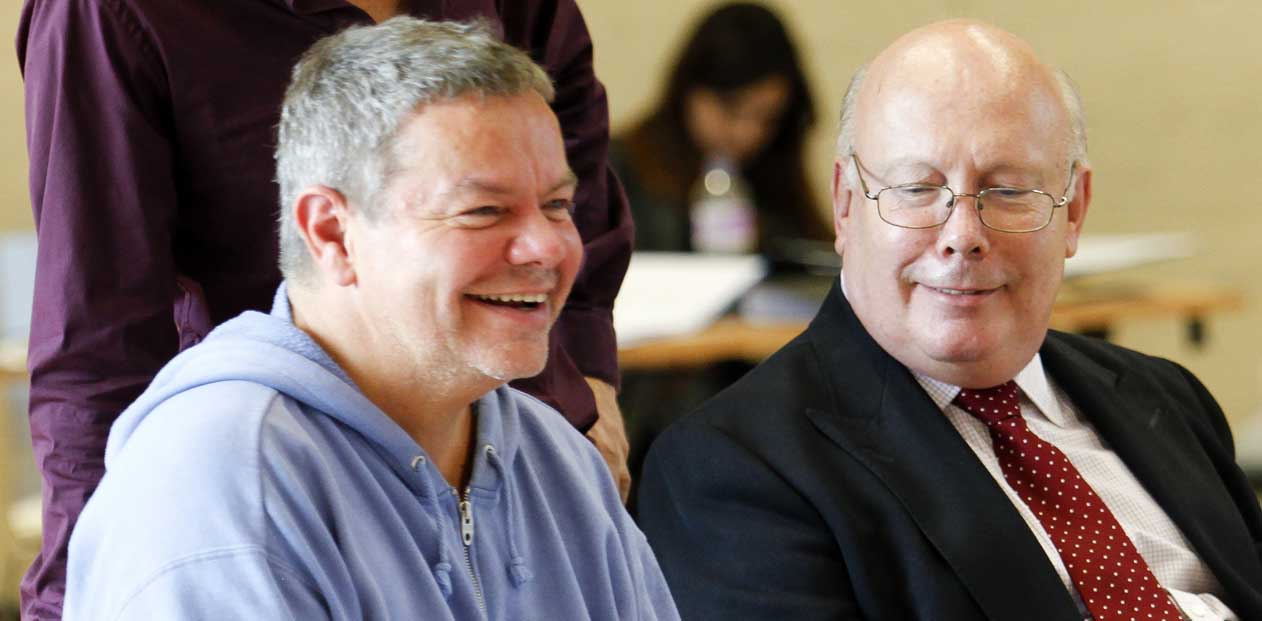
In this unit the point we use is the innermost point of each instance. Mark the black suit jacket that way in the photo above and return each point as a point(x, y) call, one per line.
point(826, 484)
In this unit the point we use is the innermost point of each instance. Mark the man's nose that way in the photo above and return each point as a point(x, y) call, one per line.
point(540, 241)
point(963, 233)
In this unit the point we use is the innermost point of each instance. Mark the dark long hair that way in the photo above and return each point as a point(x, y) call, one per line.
point(736, 46)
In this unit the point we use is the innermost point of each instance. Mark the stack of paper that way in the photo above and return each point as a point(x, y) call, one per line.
point(669, 294)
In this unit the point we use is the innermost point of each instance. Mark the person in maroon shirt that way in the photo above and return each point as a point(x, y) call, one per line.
point(150, 130)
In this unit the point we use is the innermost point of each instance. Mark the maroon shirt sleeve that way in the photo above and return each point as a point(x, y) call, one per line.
point(583, 341)
point(101, 189)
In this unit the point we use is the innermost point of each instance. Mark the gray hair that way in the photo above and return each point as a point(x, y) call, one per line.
point(1065, 86)
point(845, 132)
point(350, 93)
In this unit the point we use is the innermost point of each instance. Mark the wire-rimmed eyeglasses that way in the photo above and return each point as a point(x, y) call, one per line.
point(925, 205)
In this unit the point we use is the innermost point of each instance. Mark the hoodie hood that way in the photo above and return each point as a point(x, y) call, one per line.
point(269, 349)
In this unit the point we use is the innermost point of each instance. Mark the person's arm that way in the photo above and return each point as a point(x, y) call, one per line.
point(103, 195)
point(583, 343)
point(733, 538)
point(609, 434)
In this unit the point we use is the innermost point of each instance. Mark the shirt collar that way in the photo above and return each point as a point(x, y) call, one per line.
point(1032, 380)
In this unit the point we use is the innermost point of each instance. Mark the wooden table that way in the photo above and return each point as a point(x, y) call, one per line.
point(1079, 308)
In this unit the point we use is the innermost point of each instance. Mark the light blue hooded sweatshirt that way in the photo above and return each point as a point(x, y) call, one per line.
point(253, 480)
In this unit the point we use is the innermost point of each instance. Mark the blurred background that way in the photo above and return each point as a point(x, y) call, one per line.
point(1173, 93)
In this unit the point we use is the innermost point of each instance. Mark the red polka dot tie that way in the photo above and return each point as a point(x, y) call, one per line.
point(1110, 575)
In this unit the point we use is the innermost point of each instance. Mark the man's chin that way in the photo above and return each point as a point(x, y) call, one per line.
point(947, 343)
point(506, 366)
point(972, 362)
point(959, 355)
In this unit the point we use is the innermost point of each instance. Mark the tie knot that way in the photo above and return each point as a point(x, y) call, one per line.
point(991, 405)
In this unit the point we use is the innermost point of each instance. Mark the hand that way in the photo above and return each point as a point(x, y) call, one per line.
point(609, 434)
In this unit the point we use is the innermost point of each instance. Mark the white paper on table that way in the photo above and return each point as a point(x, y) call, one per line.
point(1098, 254)
point(671, 293)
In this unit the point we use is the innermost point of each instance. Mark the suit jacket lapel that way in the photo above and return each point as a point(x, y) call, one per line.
point(1163, 454)
point(881, 416)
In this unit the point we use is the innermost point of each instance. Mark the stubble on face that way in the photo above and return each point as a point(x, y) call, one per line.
point(503, 360)
point(480, 228)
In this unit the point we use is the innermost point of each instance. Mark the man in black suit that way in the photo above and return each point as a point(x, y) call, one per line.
point(927, 449)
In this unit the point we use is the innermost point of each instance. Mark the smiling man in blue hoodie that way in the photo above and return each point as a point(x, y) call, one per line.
point(356, 454)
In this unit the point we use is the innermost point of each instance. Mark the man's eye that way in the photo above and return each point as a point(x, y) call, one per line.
point(477, 217)
point(914, 195)
point(1006, 193)
point(559, 209)
point(917, 190)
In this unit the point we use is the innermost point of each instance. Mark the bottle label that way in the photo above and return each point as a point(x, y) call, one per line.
point(724, 224)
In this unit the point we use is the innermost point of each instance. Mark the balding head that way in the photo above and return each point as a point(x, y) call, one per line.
point(960, 48)
point(938, 280)
point(964, 56)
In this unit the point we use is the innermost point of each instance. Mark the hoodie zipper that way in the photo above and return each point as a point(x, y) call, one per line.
point(466, 535)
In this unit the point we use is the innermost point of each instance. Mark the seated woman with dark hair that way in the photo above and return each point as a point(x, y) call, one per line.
point(736, 99)
point(736, 107)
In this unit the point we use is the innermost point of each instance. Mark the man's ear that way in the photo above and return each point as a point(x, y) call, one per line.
point(322, 216)
point(842, 193)
point(1076, 210)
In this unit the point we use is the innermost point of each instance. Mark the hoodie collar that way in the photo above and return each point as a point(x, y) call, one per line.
point(495, 413)
point(269, 349)
point(298, 341)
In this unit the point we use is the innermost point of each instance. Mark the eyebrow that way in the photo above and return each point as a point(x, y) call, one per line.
point(899, 169)
point(909, 167)
point(569, 180)
point(1027, 176)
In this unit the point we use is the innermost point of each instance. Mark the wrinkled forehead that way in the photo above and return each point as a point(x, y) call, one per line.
point(493, 148)
point(962, 91)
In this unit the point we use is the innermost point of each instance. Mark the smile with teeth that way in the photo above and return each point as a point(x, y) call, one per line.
point(961, 291)
point(515, 300)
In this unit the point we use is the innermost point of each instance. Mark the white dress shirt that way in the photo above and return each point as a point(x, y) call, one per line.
point(1051, 416)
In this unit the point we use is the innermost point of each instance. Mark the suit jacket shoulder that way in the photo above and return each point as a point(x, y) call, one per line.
point(1165, 384)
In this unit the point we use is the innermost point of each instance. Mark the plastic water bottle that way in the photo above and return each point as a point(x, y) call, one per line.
point(722, 212)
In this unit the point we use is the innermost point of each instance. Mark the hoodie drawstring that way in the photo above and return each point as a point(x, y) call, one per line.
point(518, 572)
point(442, 569)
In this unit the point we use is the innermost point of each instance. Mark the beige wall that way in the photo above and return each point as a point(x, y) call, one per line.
point(1173, 91)
point(15, 206)
point(1173, 94)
